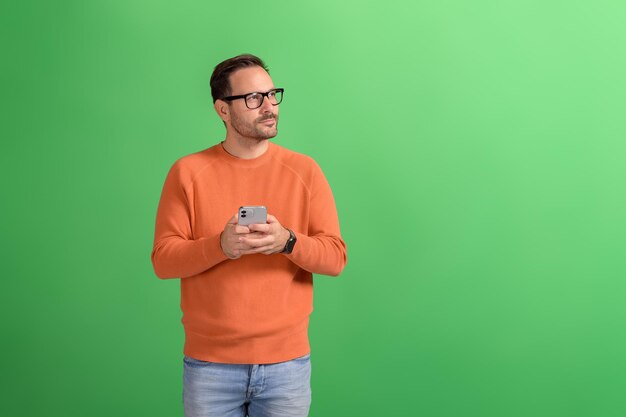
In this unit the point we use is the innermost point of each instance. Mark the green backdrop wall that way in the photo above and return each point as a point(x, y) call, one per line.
point(476, 150)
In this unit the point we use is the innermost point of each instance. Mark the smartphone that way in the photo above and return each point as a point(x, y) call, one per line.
point(252, 215)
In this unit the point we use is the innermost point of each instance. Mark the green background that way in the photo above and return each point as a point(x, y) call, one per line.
point(476, 150)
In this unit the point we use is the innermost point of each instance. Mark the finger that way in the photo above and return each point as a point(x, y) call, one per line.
point(256, 243)
point(254, 235)
point(272, 219)
point(242, 229)
point(266, 250)
point(263, 228)
point(234, 219)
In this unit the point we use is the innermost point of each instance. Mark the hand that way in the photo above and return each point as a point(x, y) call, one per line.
point(230, 238)
point(267, 238)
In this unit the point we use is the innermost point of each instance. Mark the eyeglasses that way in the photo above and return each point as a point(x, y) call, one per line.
point(255, 100)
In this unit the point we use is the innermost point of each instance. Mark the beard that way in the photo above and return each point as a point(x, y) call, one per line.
point(254, 129)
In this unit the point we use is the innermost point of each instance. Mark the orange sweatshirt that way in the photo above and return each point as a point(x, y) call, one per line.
point(254, 309)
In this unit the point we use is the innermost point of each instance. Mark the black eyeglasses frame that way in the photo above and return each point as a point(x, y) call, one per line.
point(266, 94)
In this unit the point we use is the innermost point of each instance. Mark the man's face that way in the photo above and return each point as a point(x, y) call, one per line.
point(260, 123)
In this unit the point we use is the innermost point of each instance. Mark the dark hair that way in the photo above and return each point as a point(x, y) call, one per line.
point(220, 83)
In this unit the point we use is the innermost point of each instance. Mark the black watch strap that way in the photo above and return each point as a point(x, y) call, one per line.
point(291, 242)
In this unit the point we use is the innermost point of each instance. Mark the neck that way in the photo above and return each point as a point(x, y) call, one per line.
point(245, 148)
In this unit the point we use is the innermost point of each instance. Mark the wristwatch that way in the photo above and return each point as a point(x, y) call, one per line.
point(291, 242)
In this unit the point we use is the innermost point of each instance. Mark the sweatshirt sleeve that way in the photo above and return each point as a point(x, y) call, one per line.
point(175, 253)
point(321, 250)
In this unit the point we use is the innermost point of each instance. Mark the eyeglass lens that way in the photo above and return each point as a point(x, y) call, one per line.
point(255, 100)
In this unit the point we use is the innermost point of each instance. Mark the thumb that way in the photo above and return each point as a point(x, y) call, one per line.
point(272, 219)
point(234, 219)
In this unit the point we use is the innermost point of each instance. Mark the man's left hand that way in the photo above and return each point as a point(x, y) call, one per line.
point(266, 238)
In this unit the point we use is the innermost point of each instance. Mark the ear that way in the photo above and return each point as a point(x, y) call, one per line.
point(223, 110)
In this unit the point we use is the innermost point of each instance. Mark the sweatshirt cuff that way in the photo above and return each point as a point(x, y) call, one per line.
point(212, 250)
point(302, 251)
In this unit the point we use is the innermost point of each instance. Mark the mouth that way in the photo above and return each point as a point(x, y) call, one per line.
point(269, 121)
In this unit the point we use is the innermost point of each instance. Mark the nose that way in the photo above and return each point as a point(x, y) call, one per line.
point(266, 106)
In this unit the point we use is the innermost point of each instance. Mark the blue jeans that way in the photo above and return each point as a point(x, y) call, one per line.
point(225, 390)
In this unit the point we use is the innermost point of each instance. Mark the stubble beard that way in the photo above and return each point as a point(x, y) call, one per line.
point(253, 130)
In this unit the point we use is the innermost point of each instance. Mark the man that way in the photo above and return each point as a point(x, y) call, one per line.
point(246, 291)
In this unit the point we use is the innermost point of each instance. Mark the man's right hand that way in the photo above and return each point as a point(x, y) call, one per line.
point(229, 239)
